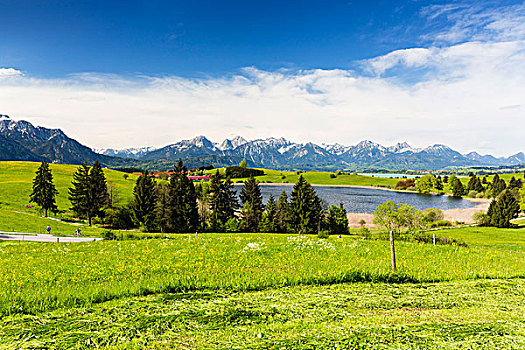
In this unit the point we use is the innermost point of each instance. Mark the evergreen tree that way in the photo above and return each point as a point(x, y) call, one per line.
point(515, 183)
point(282, 215)
point(471, 183)
point(79, 192)
point(183, 212)
point(222, 201)
point(439, 184)
point(88, 194)
point(44, 191)
point(478, 186)
point(143, 204)
point(99, 189)
point(162, 195)
point(268, 222)
point(458, 190)
point(497, 186)
point(503, 209)
point(305, 208)
point(252, 205)
point(337, 220)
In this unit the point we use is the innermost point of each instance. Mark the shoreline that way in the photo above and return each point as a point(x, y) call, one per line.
point(474, 200)
point(452, 215)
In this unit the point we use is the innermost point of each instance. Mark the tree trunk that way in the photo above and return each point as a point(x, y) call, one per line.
point(392, 250)
point(45, 212)
point(89, 220)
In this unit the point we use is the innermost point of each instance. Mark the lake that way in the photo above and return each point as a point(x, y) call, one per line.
point(366, 200)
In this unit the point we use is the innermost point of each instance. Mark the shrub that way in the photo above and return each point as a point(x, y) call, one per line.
point(472, 194)
point(232, 225)
point(481, 218)
point(238, 172)
point(364, 232)
point(108, 235)
point(432, 215)
point(333, 176)
point(324, 234)
point(441, 223)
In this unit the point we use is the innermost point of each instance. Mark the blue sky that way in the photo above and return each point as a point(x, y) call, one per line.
point(322, 71)
point(191, 38)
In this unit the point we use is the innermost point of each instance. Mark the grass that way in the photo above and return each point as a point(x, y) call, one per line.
point(16, 180)
point(37, 277)
point(253, 291)
point(485, 314)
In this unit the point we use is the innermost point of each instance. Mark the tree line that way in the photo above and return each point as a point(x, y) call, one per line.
point(178, 205)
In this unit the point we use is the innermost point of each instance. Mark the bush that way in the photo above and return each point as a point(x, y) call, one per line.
point(481, 218)
point(432, 215)
point(441, 223)
point(480, 195)
point(324, 234)
point(364, 232)
point(108, 235)
point(472, 194)
point(232, 225)
point(333, 176)
point(238, 172)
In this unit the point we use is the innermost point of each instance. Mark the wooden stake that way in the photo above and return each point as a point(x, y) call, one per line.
point(392, 250)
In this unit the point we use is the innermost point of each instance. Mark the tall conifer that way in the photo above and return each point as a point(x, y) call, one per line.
point(44, 191)
point(143, 204)
point(183, 211)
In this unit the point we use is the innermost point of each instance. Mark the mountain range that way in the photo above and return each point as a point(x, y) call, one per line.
point(20, 140)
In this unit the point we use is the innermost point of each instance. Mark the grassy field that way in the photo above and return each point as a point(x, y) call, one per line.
point(16, 180)
point(250, 291)
point(253, 291)
point(481, 314)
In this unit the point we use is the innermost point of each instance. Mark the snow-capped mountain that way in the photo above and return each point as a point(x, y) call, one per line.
point(134, 153)
point(20, 140)
point(281, 153)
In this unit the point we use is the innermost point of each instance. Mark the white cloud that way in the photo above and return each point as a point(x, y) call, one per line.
point(457, 94)
point(9, 72)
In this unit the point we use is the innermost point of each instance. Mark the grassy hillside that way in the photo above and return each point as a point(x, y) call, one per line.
point(16, 180)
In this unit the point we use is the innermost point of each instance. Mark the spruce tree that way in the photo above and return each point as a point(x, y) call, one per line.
point(99, 188)
point(497, 186)
point(282, 215)
point(337, 220)
point(305, 208)
point(143, 204)
point(162, 195)
point(222, 201)
point(88, 194)
point(503, 209)
point(44, 191)
point(478, 186)
point(268, 221)
point(183, 211)
point(253, 207)
point(457, 189)
point(79, 193)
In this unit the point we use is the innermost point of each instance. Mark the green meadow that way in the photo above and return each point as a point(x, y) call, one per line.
point(252, 291)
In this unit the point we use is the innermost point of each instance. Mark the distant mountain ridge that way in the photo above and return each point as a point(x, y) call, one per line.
point(20, 140)
point(281, 153)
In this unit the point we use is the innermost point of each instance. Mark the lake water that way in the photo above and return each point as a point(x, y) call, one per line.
point(366, 200)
